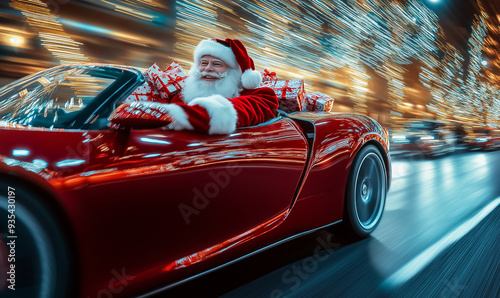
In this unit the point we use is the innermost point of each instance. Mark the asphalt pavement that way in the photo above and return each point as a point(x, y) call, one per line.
point(439, 237)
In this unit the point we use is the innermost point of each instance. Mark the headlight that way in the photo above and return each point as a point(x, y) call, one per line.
point(427, 138)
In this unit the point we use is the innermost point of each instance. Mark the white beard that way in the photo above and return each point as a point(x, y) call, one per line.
point(228, 87)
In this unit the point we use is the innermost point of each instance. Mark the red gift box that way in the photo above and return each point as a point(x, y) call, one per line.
point(290, 93)
point(268, 76)
point(152, 70)
point(140, 115)
point(143, 92)
point(169, 82)
point(160, 85)
point(318, 102)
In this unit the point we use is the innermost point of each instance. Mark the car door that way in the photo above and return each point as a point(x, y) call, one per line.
point(186, 193)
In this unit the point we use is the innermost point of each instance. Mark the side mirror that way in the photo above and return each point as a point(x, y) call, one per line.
point(140, 115)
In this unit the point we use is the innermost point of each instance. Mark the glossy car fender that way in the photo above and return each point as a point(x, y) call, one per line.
point(337, 139)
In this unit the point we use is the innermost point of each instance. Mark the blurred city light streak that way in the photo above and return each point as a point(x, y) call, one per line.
point(51, 33)
point(54, 38)
point(195, 21)
point(141, 9)
point(14, 37)
point(16, 40)
point(491, 47)
point(128, 38)
point(482, 95)
point(361, 52)
point(444, 80)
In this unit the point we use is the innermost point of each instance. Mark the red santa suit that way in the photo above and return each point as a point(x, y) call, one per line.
point(216, 114)
point(244, 104)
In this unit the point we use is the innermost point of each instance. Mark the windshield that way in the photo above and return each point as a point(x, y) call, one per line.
point(55, 97)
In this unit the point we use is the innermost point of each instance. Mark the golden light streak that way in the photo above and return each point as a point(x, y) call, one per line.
point(339, 46)
point(51, 33)
point(16, 40)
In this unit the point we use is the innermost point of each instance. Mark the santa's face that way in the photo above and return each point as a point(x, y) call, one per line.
point(210, 64)
point(212, 76)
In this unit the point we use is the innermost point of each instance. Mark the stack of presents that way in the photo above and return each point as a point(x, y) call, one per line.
point(292, 95)
point(161, 86)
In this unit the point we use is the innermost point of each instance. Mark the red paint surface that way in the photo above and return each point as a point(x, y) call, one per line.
point(125, 200)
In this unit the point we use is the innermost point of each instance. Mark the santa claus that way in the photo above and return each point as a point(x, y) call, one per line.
point(221, 92)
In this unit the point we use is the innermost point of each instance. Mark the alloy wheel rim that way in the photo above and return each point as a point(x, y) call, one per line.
point(369, 191)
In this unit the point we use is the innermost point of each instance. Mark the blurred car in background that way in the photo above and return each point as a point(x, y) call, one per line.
point(483, 138)
point(422, 136)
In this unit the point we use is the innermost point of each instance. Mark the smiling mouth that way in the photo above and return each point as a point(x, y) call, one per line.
point(209, 78)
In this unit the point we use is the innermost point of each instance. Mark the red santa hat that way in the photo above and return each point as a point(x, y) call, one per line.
point(234, 54)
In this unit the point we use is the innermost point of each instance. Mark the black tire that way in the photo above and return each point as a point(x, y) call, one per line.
point(44, 265)
point(365, 193)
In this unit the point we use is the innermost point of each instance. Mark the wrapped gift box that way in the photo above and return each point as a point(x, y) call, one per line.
point(290, 94)
point(268, 76)
point(317, 101)
point(152, 71)
point(144, 92)
point(160, 86)
point(140, 115)
point(169, 82)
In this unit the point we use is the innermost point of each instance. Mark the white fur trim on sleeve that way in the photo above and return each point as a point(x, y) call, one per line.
point(180, 117)
point(223, 116)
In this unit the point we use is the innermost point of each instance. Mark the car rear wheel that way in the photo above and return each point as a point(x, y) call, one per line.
point(365, 193)
point(35, 259)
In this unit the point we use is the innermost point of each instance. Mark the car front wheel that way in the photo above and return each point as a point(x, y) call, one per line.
point(366, 192)
point(35, 258)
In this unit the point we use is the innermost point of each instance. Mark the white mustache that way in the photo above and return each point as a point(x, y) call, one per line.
point(200, 74)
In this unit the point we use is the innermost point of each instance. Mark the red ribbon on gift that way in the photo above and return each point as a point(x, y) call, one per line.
point(174, 65)
point(269, 76)
point(314, 98)
point(172, 81)
point(284, 89)
point(162, 83)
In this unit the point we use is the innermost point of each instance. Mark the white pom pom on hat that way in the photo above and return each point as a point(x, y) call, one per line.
point(234, 54)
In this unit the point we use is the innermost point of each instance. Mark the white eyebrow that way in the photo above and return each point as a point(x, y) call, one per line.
point(213, 60)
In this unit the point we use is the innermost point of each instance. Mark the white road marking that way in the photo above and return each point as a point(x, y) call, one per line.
point(418, 263)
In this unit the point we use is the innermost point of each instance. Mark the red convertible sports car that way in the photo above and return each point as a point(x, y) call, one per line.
point(88, 210)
